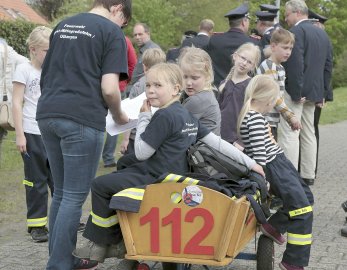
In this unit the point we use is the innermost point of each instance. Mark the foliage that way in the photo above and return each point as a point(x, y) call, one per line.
point(339, 72)
point(160, 16)
point(48, 8)
point(15, 33)
point(72, 7)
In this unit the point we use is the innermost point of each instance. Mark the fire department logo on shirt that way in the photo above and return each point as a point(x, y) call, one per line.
point(192, 196)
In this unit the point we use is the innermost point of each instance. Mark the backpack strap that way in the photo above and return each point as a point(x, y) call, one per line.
point(259, 214)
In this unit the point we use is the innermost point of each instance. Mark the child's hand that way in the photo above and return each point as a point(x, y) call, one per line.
point(21, 143)
point(124, 146)
point(146, 106)
point(295, 124)
point(259, 169)
point(301, 100)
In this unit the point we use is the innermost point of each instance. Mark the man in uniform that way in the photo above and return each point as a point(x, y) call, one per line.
point(222, 46)
point(272, 9)
point(304, 89)
point(265, 27)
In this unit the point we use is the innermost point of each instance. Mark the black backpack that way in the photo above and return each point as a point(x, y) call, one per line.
point(203, 159)
point(207, 163)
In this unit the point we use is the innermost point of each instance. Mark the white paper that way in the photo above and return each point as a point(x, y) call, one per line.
point(114, 129)
point(132, 108)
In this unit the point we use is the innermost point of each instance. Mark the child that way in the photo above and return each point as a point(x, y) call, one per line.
point(150, 57)
point(295, 217)
point(281, 45)
point(161, 142)
point(199, 98)
point(26, 92)
point(232, 90)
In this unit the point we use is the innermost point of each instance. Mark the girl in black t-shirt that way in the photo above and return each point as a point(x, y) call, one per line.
point(161, 142)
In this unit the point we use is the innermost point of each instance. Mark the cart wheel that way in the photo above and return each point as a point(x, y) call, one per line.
point(128, 265)
point(143, 266)
point(265, 253)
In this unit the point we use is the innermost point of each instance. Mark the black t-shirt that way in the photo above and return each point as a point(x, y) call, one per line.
point(170, 132)
point(82, 49)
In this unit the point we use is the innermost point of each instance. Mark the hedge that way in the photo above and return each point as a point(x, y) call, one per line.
point(15, 33)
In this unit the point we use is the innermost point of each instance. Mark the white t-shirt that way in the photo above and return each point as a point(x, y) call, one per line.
point(29, 76)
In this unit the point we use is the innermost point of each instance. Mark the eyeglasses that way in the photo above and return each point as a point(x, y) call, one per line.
point(248, 17)
point(244, 59)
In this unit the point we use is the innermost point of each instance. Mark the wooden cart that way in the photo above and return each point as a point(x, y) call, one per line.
point(188, 224)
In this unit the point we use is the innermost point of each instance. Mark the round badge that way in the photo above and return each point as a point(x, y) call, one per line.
point(192, 196)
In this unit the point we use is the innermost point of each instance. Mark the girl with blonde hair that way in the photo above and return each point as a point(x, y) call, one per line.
point(295, 216)
point(232, 90)
point(161, 143)
point(37, 174)
point(198, 96)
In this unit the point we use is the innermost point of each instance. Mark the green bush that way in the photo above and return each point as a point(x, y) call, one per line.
point(15, 33)
point(339, 71)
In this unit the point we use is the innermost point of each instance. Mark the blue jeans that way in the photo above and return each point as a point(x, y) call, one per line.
point(74, 152)
point(109, 148)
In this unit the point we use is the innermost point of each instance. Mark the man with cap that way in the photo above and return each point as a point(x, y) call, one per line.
point(222, 46)
point(272, 9)
point(317, 19)
point(308, 77)
point(202, 38)
point(265, 27)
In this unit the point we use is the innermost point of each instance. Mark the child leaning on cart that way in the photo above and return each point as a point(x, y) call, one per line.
point(161, 143)
point(295, 217)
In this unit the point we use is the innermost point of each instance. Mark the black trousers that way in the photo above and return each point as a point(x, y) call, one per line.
point(102, 226)
point(317, 113)
point(296, 216)
point(37, 179)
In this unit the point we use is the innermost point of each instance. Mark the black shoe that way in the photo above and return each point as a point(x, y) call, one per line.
point(344, 206)
point(81, 227)
point(111, 165)
point(86, 264)
point(39, 234)
point(344, 231)
point(308, 181)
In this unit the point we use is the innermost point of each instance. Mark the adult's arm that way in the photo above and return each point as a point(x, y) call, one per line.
point(17, 112)
point(132, 58)
point(111, 95)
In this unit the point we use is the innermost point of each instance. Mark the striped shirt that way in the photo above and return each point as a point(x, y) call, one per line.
point(279, 74)
point(257, 138)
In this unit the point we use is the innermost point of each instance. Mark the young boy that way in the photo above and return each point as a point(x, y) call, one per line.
point(150, 58)
point(281, 44)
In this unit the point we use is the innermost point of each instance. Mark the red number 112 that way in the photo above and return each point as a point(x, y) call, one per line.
point(175, 219)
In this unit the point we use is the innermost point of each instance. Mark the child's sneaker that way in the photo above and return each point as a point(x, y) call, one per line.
point(286, 266)
point(84, 264)
point(272, 233)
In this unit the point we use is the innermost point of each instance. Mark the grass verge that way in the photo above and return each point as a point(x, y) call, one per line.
point(335, 111)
